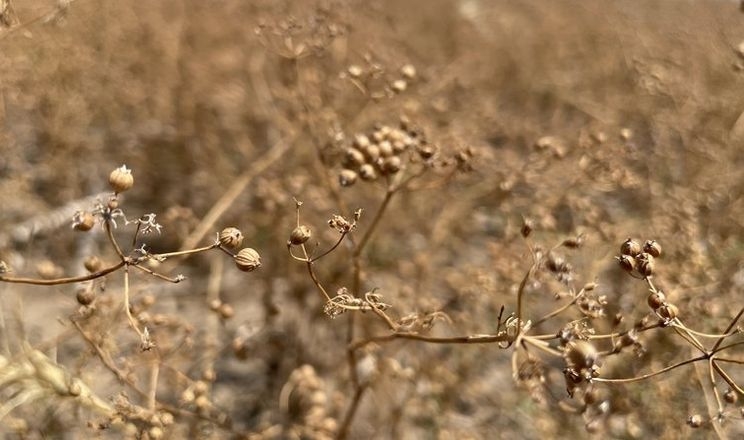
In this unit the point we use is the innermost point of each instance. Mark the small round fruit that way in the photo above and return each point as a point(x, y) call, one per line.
point(231, 238)
point(121, 179)
point(248, 260)
point(300, 235)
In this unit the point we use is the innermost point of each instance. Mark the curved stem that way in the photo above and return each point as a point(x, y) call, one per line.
point(68, 280)
point(655, 373)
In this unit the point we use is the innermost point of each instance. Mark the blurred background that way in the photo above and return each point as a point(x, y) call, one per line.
point(607, 119)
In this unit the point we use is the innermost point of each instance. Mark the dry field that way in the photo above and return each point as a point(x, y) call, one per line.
point(441, 194)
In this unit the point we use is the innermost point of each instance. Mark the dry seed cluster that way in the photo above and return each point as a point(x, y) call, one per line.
point(304, 395)
point(637, 259)
point(382, 152)
point(641, 260)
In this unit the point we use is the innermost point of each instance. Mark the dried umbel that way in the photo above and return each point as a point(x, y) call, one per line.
point(231, 238)
point(121, 179)
point(248, 260)
point(300, 235)
point(83, 221)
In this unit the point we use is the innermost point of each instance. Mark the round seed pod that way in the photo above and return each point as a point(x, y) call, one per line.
point(399, 85)
point(215, 304)
point(646, 264)
point(300, 235)
point(231, 238)
point(408, 71)
point(113, 202)
point(652, 247)
point(730, 396)
point(372, 152)
point(667, 312)
point(581, 354)
point(630, 247)
point(353, 157)
point(386, 148)
point(121, 179)
point(248, 260)
point(83, 221)
point(92, 264)
point(354, 71)
point(226, 311)
point(378, 135)
point(239, 348)
point(656, 300)
point(361, 141)
point(85, 296)
point(426, 151)
point(391, 165)
point(695, 421)
point(367, 172)
point(347, 177)
point(627, 263)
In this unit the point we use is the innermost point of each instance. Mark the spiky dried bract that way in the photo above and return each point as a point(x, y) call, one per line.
point(121, 179)
point(248, 260)
point(231, 238)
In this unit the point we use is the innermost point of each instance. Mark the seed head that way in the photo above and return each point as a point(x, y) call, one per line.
point(248, 260)
point(121, 179)
point(300, 235)
point(231, 238)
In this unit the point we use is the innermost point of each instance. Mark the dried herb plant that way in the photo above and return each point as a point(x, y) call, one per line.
point(37, 377)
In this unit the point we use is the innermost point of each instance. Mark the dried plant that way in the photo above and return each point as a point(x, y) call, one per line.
point(441, 193)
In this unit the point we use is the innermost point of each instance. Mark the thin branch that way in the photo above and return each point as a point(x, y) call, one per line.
point(56, 281)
